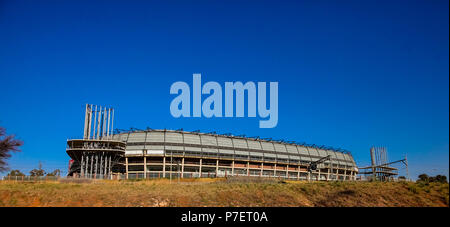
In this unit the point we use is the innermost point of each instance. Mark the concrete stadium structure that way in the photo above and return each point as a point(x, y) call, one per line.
point(162, 152)
point(176, 153)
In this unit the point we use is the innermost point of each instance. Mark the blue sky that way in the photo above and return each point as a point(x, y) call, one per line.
point(351, 74)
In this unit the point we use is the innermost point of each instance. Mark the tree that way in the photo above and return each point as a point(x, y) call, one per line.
point(402, 178)
point(424, 177)
point(439, 178)
point(55, 173)
point(15, 173)
point(37, 172)
point(8, 144)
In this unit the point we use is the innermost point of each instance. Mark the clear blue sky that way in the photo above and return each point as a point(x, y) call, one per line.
point(351, 74)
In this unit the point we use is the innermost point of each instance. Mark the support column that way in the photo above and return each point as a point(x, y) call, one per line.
point(164, 166)
point(90, 122)
point(96, 166)
point(145, 167)
point(104, 123)
point(200, 168)
point(287, 171)
point(318, 175)
point(262, 168)
point(109, 170)
point(182, 167)
point(171, 166)
point(248, 168)
point(345, 175)
point(298, 172)
point(86, 165)
point(94, 128)
point(101, 166)
point(92, 163)
point(86, 122)
point(98, 124)
point(108, 123)
point(332, 174)
point(275, 170)
point(232, 168)
point(217, 167)
point(106, 167)
point(112, 123)
point(126, 167)
point(337, 174)
point(328, 173)
point(82, 166)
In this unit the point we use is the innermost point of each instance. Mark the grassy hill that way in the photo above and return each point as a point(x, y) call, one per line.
point(221, 192)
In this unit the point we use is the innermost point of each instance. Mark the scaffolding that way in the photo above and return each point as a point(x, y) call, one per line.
point(97, 155)
point(381, 169)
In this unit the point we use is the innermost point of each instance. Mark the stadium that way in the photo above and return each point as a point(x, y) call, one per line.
point(139, 154)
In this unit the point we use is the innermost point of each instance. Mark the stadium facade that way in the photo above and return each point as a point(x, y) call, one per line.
point(176, 153)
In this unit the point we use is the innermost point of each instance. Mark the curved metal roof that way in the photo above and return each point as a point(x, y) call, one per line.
point(154, 139)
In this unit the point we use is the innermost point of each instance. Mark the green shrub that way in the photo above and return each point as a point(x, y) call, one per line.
point(413, 188)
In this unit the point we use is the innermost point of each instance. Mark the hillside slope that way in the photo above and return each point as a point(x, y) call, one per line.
point(218, 192)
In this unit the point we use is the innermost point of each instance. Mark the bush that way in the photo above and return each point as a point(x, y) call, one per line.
point(15, 173)
point(424, 177)
point(413, 188)
point(437, 178)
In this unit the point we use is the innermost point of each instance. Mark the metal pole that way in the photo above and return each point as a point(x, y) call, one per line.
point(106, 165)
point(109, 166)
point(178, 170)
point(86, 165)
point(145, 166)
point(96, 165)
point(407, 171)
point(98, 122)
point(164, 166)
point(126, 167)
point(386, 160)
point(94, 136)
point(101, 165)
point(109, 115)
point(92, 162)
point(372, 156)
point(101, 122)
point(104, 123)
point(82, 165)
point(182, 167)
point(90, 122)
point(170, 167)
point(332, 170)
point(112, 123)
point(85, 122)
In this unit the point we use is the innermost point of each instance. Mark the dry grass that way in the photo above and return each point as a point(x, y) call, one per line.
point(219, 192)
